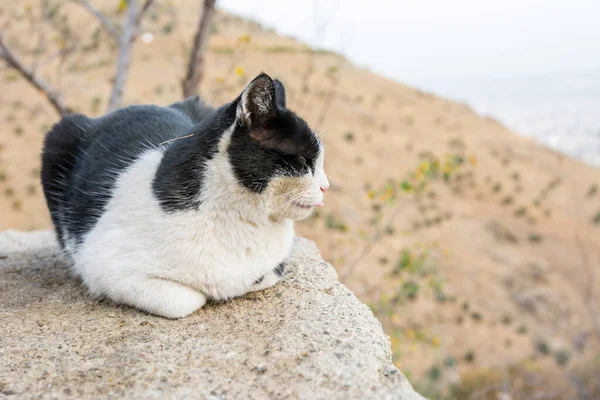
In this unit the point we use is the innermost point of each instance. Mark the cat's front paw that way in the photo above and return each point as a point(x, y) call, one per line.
point(157, 296)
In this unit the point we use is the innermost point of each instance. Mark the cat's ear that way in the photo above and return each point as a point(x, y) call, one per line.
point(259, 99)
point(279, 93)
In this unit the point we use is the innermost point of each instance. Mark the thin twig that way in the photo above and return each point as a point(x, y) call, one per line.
point(145, 8)
point(53, 96)
point(324, 112)
point(105, 22)
point(349, 268)
point(195, 71)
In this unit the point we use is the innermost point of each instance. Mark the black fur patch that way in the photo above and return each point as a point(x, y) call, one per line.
point(274, 141)
point(178, 181)
point(259, 280)
point(280, 269)
point(82, 158)
point(59, 157)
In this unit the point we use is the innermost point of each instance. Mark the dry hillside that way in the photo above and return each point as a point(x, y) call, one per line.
point(478, 249)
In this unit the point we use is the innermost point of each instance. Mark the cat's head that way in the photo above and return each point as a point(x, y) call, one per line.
point(274, 153)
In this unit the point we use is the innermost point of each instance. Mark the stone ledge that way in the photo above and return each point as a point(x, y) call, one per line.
point(308, 337)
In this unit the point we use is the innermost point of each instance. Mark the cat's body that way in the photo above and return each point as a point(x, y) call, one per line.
point(162, 223)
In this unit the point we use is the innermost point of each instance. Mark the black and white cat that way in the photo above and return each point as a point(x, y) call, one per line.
point(162, 208)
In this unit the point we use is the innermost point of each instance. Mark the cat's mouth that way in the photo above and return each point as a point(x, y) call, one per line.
point(307, 206)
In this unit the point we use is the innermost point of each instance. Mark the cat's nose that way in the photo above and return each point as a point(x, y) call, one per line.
point(324, 188)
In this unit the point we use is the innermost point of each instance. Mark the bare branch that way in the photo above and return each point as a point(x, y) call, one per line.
point(124, 57)
point(53, 96)
point(143, 10)
point(105, 22)
point(195, 71)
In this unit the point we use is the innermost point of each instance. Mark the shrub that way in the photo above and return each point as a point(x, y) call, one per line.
point(535, 238)
point(562, 357)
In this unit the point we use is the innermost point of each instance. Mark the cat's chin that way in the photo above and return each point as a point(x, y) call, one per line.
point(300, 212)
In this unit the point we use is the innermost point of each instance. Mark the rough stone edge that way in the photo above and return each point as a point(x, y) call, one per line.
point(14, 241)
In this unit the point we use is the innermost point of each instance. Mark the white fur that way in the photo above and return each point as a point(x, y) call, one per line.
point(170, 264)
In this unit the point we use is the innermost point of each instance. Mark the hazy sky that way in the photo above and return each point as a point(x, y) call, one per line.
point(419, 39)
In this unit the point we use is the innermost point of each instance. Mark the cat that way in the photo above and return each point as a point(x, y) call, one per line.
point(164, 208)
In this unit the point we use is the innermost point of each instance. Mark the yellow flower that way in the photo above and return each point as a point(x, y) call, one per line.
point(239, 71)
point(419, 176)
point(220, 80)
point(410, 334)
point(424, 166)
point(395, 342)
point(473, 160)
point(435, 341)
point(371, 194)
point(122, 6)
point(244, 39)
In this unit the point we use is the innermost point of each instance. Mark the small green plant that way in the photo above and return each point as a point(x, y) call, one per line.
point(31, 189)
point(535, 238)
point(470, 356)
point(507, 201)
point(596, 218)
point(476, 316)
point(435, 373)
point(17, 205)
point(450, 362)
point(542, 347)
point(409, 289)
point(9, 191)
point(520, 212)
point(562, 357)
point(280, 49)
point(593, 190)
point(521, 330)
point(334, 223)
point(349, 136)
